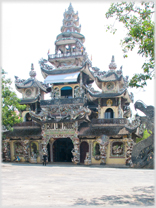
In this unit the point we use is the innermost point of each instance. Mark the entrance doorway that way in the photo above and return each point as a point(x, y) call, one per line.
point(62, 150)
point(84, 147)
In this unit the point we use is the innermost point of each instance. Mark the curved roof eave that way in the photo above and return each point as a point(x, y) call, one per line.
point(33, 83)
point(106, 95)
point(60, 71)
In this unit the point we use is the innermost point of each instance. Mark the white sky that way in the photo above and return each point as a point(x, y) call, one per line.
point(29, 29)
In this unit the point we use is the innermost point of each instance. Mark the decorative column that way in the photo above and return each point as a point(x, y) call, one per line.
point(45, 141)
point(6, 149)
point(99, 108)
point(76, 142)
point(76, 150)
point(129, 148)
point(103, 141)
point(25, 145)
point(119, 109)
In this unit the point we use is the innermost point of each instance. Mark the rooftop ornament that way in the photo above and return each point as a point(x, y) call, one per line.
point(112, 65)
point(32, 73)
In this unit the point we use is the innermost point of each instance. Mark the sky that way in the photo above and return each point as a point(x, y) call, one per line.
point(29, 30)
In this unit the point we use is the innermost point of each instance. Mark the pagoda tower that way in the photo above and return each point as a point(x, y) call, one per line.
point(77, 124)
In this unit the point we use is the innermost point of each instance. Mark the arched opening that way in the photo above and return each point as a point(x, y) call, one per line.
point(66, 92)
point(28, 117)
point(48, 150)
point(62, 150)
point(84, 148)
point(97, 149)
point(109, 113)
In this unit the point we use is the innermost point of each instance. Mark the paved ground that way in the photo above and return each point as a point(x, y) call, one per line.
point(68, 185)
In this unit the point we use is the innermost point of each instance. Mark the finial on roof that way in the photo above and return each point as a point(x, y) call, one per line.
point(32, 73)
point(70, 7)
point(112, 65)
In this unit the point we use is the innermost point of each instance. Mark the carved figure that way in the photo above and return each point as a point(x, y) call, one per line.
point(45, 66)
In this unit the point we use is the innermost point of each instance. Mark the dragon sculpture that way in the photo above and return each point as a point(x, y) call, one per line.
point(143, 151)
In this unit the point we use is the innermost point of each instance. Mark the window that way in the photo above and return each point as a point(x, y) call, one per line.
point(66, 92)
point(28, 117)
point(109, 113)
point(117, 148)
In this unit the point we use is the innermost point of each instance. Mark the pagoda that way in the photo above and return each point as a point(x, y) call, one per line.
point(78, 123)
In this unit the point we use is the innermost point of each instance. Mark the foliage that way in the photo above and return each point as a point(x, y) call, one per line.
point(10, 104)
point(137, 19)
point(145, 136)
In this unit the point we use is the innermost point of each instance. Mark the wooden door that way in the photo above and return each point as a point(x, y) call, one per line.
point(84, 147)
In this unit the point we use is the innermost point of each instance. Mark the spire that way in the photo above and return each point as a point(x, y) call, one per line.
point(70, 8)
point(32, 73)
point(71, 21)
point(112, 65)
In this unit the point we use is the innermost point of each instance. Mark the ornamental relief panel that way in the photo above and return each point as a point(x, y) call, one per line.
point(117, 149)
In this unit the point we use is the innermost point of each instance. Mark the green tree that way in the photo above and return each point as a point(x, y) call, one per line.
point(137, 19)
point(10, 104)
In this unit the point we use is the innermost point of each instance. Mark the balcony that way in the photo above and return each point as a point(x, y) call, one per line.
point(65, 55)
point(63, 101)
point(114, 121)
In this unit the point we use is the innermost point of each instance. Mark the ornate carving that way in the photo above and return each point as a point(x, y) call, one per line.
point(56, 93)
point(103, 141)
point(134, 124)
point(117, 148)
point(45, 141)
point(76, 150)
point(69, 112)
point(25, 145)
point(131, 96)
point(119, 109)
point(109, 102)
point(77, 91)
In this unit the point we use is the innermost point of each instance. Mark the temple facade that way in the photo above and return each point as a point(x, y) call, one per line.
point(78, 123)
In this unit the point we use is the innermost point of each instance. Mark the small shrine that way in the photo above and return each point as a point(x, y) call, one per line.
point(78, 123)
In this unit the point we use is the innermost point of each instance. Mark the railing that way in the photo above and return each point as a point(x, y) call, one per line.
point(62, 55)
point(109, 121)
point(27, 123)
point(63, 101)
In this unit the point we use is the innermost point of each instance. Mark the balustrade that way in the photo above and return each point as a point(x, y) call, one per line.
point(109, 121)
point(62, 55)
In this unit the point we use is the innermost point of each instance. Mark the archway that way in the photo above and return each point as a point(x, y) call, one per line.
point(109, 113)
point(84, 147)
point(62, 150)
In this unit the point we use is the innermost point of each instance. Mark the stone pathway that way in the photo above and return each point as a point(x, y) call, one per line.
point(58, 185)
